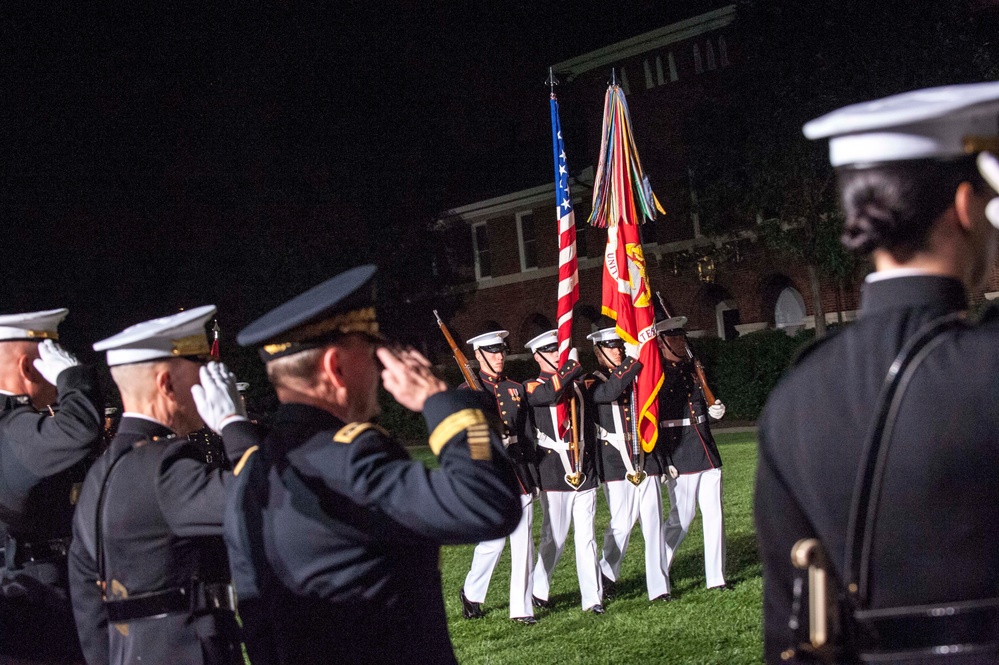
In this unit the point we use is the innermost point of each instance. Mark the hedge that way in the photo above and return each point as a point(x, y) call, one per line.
point(743, 371)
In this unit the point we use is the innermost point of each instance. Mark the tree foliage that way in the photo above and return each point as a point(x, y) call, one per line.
point(795, 61)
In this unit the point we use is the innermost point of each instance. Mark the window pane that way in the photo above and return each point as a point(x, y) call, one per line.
point(482, 250)
point(529, 240)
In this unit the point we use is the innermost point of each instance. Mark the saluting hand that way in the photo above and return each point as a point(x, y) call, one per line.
point(217, 398)
point(52, 360)
point(407, 377)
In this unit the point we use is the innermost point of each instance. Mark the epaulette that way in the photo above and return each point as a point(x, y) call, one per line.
point(809, 348)
point(351, 431)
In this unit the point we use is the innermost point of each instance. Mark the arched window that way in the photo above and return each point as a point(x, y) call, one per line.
point(673, 76)
point(698, 66)
point(709, 50)
point(789, 312)
point(723, 52)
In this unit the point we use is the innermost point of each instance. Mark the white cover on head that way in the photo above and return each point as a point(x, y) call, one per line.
point(988, 166)
point(672, 323)
point(171, 336)
point(921, 124)
point(488, 339)
point(32, 325)
point(544, 339)
point(603, 335)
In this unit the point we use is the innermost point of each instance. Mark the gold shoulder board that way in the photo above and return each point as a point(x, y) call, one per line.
point(351, 431)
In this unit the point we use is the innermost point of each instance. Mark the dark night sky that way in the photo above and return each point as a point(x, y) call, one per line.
point(162, 157)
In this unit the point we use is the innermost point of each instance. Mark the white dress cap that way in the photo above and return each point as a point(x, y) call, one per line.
point(603, 335)
point(544, 339)
point(32, 325)
point(673, 323)
point(181, 334)
point(488, 339)
point(922, 124)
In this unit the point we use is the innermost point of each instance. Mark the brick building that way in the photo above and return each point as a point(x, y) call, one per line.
point(503, 251)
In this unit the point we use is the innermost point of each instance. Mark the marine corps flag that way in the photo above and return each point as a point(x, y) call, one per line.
point(627, 297)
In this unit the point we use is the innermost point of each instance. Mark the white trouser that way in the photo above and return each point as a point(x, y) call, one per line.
point(628, 504)
point(686, 493)
point(558, 510)
point(487, 555)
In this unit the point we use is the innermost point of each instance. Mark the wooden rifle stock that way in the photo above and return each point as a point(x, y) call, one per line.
point(698, 367)
point(466, 368)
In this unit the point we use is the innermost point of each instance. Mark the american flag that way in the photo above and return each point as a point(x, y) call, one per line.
point(568, 272)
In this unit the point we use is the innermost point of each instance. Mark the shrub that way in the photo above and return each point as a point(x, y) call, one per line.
point(743, 371)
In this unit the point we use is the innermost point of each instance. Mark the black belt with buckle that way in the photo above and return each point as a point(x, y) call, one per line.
point(195, 598)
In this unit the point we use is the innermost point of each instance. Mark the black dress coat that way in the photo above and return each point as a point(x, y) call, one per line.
point(43, 460)
point(690, 448)
point(514, 412)
point(542, 395)
point(162, 529)
point(934, 532)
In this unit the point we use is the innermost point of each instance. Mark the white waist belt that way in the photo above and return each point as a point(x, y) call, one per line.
point(683, 422)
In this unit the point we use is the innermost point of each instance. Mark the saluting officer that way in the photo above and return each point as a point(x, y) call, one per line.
point(881, 442)
point(49, 433)
point(568, 480)
point(629, 476)
point(148, 568)
point(334, 533)
point(490, 350)
point(687, 448)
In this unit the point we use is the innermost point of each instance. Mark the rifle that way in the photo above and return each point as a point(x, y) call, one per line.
point(466, 368)
point(698, 367)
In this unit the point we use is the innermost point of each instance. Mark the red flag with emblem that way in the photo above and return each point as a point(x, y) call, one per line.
point(627, 296)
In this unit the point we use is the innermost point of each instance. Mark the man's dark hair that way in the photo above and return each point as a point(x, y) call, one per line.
point(893, 206)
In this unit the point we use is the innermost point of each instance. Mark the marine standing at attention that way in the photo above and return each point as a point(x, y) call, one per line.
point(878, 458)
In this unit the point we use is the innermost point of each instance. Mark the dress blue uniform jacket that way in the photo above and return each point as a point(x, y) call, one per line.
point(513, 411)
point(606, 393)
point(934, 534)
point(334, 533)
point(162, 528)
point(690, 448)
point(542, 394)
point(43, 460)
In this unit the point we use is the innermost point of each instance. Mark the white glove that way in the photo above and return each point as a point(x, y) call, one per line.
point(52, 360)
point(988, 166)
point(217, 398)
point(631, 350)
point(574, 354)
point(673, 473)
point(716, 410)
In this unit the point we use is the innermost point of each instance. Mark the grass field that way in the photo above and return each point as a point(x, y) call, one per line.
point(698, 626)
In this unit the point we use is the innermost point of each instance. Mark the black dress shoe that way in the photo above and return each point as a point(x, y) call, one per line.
point(470, 610)
point(543, 604)
point(720, 587)
point(596, 609)
point(665, 598)
point(609, 585)
point(527, 621)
